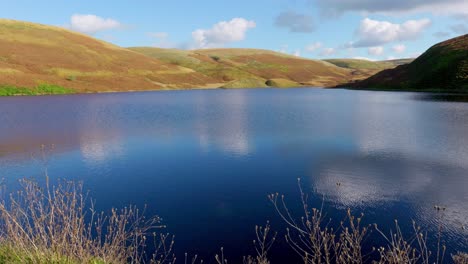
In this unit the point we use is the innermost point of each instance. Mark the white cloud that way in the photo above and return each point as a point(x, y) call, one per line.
point(437, 7)
point(460, 29)
point(222, 33)
point(284, 49)
point(373, 32)
point(363, 58)
point(295, 22)
point(162, 40)
point(400, 48)
point(415, 54)
point(297, 53)
point(328, 52)
point(91, 24)
point(375, 51)
point(313, 47)
point(441, 34)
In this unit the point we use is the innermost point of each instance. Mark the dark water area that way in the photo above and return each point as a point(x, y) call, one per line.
point(205, 160)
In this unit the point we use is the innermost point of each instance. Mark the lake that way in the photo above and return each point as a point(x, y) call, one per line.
point(205, 160)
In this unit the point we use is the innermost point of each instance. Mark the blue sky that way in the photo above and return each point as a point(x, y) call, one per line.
point(374, 29)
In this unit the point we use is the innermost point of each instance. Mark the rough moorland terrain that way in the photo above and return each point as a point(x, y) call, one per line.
point(443, 67)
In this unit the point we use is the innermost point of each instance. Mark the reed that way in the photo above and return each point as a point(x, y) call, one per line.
point(60, 225)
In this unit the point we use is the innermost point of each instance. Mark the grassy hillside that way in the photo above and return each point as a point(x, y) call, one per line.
point(362, 69)
point(238, 66)
point(359, 64)
point(443, 67)
point(38, 59)
point(33, 54)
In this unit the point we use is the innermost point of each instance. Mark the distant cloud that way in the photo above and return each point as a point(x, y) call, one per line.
point(328, 52)
point(363, 58)
point(400, 48)
point(91, 24)
point(295, 22)
point(284, 49)
point(158, 35)
point(460, 29)
point(415, 54)
point(376, 51)
point(441, 34)
point(313, 47)
point(373, 33)
point(438, 7)
point(222, 33)
point(162, 40)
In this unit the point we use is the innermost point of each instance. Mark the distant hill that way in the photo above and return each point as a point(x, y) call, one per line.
point(33, 53)
point(362, 69)
point(359, 64)
point(241, 67)
point(444, 67)
point(41, 59)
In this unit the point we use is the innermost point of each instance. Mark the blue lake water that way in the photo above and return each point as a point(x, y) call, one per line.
point(205, 160)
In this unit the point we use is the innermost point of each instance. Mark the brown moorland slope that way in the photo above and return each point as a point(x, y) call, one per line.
point(363, 69)
point(235, 66)
point(32, 53)
point(443, 67)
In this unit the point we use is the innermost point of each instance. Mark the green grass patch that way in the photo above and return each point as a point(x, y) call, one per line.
point(282, 83)
point(246, 83)
point(40, 89)
point(361, 64)
point(12, 255)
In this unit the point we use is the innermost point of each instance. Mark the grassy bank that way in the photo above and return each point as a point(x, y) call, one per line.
point(40, 89)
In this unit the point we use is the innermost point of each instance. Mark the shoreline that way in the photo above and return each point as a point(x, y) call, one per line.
point(433, 91)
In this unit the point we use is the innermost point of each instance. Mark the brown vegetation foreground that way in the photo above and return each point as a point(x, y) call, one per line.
point(59, 225)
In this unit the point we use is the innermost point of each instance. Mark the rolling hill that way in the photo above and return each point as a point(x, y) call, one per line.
point(33, 53)
point(363, 69)
point(241, 67)
point(41, 59)
point(443, 67)
point(360, 64)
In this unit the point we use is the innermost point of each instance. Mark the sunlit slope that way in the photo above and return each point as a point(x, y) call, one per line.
point(368, 65)
point(362, 69)
point(242, 67)
point(33, 53)
point(443, 67)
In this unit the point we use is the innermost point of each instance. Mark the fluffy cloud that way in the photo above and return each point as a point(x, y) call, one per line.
point(222, 33)
point(162, 40)
point(91, 24)
point(313, 47)
point(415, 54)
point(400, 48)
point(447, 7)
point(295, 22)
point(441, 34)
point(297, 53)
point(460, 29)
point(363, 58)
point(375, 51)
point(328, 52)
point(373, 32)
